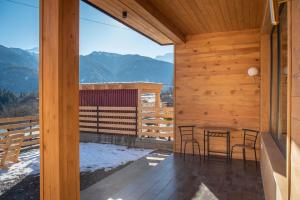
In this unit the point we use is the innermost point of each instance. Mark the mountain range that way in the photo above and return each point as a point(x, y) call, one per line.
point(19, 69)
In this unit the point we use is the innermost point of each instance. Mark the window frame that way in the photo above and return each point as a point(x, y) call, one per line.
point(277, 28)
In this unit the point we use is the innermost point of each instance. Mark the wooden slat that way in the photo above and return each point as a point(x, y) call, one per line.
point(167, 109)
point(156, 134)
point(88, 129)
point(117, 114)
point(147, 114)
point(88, 118)
point(87, 108)
point(122, 120)
point(20, 125)
point(167, 115)
point(157, 128)
point(18, 119)
point(31, 143)
point(87, 113)
point(152, 109)
point(117, 131)
point(157, 121)
point(125, 126)
point(87, 124)
point(31, 137)
point(19, 131)
point(117, 108)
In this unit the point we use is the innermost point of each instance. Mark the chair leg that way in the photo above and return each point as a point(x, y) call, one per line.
point(231, 152)
point(193, 149)
point(255, 157)
point(180, 146)
point(184, 151)
point(199, 150)
point(244, 156)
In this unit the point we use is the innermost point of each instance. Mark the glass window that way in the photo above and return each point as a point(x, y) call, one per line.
point(278, 118)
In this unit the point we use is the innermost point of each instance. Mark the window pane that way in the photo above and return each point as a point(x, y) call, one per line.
point(278, 118)
point(282, 121)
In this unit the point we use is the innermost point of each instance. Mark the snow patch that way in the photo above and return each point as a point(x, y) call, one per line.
point(95, 156)
point(92, 157)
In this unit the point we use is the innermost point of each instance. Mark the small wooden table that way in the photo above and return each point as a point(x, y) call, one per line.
point(222, 132)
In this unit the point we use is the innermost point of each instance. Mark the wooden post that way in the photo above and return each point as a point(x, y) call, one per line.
point(59, 99)
point(139, 113)
point(157, 110)
point(265, 71)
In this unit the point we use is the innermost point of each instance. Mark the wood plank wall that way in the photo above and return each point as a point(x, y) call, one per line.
point(295, 100)
point(212, 87)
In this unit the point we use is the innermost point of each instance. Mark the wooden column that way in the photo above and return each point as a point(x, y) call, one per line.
point(59, 99)
point(139, 111)
point(294, 99)
point(265, 72)
point(157, 109)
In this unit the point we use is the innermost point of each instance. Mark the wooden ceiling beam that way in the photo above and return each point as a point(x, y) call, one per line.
point(150, 13)
point(143, 18)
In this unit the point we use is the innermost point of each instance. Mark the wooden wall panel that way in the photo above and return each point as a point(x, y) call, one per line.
point(212, 87)
point(295, 100)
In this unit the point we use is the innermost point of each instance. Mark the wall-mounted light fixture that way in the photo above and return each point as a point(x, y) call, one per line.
point(254, 73)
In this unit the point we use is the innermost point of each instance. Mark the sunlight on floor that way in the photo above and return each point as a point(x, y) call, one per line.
point(155, 158)
point(114, 199)
point(204, 193)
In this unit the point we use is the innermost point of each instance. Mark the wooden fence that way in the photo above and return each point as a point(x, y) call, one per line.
point(108, 120)
point(155, 122)
point(16, 134)
point(146, 122)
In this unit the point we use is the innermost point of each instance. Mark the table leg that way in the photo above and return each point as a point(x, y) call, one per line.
point(204, 144)
point(207, 144)
point(228, 147)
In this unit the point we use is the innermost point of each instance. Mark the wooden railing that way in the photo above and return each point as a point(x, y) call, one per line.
point(16, 134)
point(28, 125)
point(156, 123)
point(108, 120)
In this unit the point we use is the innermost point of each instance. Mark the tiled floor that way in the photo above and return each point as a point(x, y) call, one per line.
point(163, 176)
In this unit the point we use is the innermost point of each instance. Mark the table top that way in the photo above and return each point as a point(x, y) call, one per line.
point(212, 128)
point(220, 129)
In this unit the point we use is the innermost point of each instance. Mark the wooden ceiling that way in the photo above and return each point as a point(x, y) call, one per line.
point(170, 21)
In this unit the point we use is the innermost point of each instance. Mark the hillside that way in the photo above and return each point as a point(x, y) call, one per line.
point(19, 69)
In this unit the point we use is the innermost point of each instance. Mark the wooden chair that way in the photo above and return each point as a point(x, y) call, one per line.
point(249, 142)
point(10, 147)
point(187, 135)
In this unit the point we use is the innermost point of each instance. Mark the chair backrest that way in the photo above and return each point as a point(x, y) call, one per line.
point(186, 131)
point(250, 137)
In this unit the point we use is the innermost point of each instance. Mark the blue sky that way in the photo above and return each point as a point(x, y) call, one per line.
point(19, 22)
